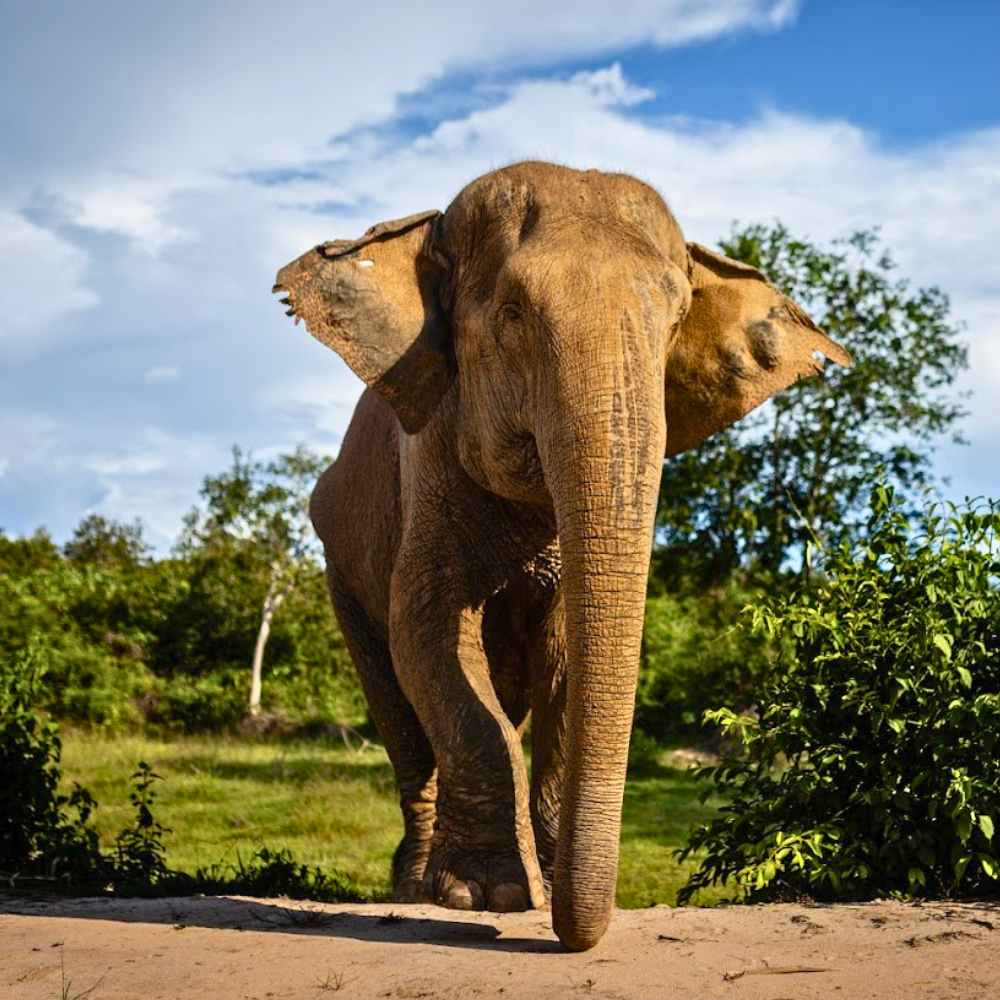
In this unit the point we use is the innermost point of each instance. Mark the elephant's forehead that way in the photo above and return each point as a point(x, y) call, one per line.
point(534, 199)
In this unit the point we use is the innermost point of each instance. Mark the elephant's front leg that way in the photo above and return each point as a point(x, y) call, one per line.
point(483, 850)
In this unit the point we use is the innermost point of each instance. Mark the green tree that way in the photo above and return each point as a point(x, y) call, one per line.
point(93, 623)
point(101, 541)
point(260, 510)
point(752, 496)
point(20, 556)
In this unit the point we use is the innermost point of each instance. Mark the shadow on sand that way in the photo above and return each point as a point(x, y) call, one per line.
point(383, 924)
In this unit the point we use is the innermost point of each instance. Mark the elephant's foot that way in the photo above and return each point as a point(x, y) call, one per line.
point(409, 868)
point(474, 880)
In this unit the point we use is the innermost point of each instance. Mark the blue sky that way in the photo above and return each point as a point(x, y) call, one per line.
point(160, 161)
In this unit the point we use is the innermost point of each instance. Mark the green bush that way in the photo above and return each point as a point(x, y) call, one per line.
point(694, 657)
point(872, 764)
point(88, 623)
point(42, 832)
point(168, 642)
point(44, 835)
point(192, 704)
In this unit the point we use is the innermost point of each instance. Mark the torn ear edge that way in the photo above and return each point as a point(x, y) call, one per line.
point(380, 231)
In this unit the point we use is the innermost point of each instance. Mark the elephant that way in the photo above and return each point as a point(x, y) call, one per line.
point(531, 356)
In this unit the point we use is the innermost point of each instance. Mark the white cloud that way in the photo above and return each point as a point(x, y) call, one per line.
point(821, 177)
point(609, 88)
point(316, 403)
point(125, 464)
point(161, 373)
point(165, 250)
point(129, 206)
point(165, 98)
point(43, 279)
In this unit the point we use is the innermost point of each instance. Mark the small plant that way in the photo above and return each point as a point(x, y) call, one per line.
point(66, 984)
point(333, 983)
point(139, 852)
point(872, 764)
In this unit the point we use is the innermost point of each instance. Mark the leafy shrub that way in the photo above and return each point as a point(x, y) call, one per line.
point(694, 657)
point(190, 704)
point(140, 857)
point(45, 834)
point(42, 832)
point(88, 685)
point(87, 622)
point(318, 697)
point(130, 641)
point(872, 766)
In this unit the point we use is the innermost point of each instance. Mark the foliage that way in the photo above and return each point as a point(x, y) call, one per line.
point(872, 766)
point(694, 656)
point(259, 511)
point(189, 704)
point(19, 556)
point(93, 625)
point(274, 873)
point(753, 495)
point(100, 541)
point(47, 836)
point(130, 640)
point(262, 502)
point(139, 852)
point(42, 831)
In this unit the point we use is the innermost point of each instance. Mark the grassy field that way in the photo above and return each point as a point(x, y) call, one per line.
point(334, 807)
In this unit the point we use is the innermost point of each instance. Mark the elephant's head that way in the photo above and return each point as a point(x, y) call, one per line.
point(587, 341)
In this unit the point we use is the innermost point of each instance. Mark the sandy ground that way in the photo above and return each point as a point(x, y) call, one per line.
point(223, 948)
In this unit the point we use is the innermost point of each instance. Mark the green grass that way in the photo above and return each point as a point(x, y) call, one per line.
point(333, 807)
point(661, 805)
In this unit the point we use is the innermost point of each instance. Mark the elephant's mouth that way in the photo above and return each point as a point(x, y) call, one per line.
point(287, 301)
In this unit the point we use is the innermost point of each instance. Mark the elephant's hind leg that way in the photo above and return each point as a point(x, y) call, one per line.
point(404, 739)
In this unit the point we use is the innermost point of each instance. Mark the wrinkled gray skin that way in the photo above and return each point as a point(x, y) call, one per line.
point(531, 356)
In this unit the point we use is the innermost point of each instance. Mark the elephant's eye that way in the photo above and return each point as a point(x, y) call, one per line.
point(510, 329)
point(510, 313)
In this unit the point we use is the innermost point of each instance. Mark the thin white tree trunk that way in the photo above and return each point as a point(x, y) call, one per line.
point(271, 604)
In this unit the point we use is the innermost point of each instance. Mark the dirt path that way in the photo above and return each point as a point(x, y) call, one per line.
point(176, 949)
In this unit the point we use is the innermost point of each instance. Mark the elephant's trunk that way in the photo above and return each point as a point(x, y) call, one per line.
point(603, 472)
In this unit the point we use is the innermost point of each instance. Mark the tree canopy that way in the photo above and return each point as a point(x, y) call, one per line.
point(753, 496)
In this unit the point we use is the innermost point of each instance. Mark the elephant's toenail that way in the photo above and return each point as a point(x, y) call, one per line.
point(508, 897)
point(463, 896)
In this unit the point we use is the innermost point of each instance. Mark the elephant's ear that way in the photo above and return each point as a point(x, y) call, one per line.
point(740, 343)
point(375, 301)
